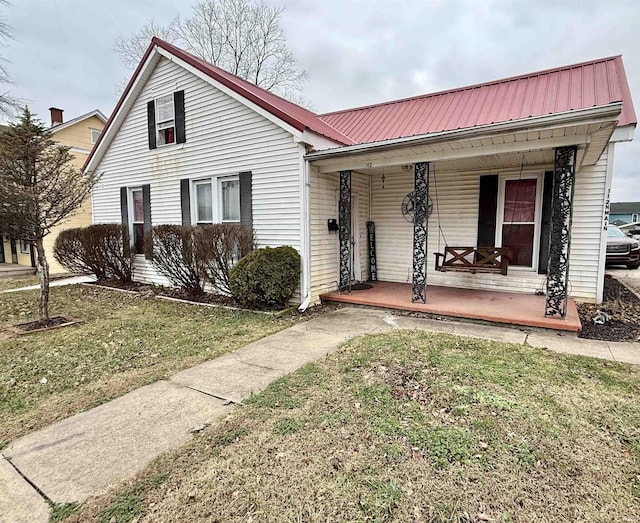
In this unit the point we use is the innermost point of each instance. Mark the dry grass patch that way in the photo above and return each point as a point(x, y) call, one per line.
point(8, 283)
point(410, 426)
point(125, 342)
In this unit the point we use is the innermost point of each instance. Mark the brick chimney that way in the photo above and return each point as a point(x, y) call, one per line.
point(56, 116)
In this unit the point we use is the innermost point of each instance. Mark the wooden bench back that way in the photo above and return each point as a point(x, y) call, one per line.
point(474, 259)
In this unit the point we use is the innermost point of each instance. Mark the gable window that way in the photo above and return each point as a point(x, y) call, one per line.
point(136, 214)
point(95, 134)
point(216, 200)
point(165, 120)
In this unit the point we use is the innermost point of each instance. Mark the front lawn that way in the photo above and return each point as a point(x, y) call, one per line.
point(410, 426)
point(126, 341)
point(10, 283)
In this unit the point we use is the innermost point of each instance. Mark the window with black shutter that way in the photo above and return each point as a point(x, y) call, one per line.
point(166, 120)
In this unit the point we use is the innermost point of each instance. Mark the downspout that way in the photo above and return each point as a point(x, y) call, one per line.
point(305, 228)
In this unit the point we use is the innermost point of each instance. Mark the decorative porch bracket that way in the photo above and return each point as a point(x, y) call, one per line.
point(420, 230)
point(344, 218)
point(560, 236)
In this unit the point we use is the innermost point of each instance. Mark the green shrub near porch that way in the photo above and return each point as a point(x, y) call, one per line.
point(266, 277)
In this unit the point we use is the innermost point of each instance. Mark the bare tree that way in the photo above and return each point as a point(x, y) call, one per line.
point(39, 189)
point(131, 48)
point(243, 37)
point(8, 102)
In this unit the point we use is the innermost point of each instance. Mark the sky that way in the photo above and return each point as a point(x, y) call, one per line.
point(355, 52)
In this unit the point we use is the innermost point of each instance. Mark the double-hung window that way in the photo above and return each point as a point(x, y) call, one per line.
point(136, 219)
point(216, 200)
point(635, 217)
point(165, 120)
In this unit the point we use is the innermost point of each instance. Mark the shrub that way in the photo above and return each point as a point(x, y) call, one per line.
point(266, 277)
point(218, 248)
point(97, 249)
point(173, 256)
point(69, 250)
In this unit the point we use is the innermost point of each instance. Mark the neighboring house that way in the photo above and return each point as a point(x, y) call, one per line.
point(80, 134)
point(624, 212)
point(191, 143)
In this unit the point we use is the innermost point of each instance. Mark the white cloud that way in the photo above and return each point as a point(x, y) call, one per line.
point(356, 52)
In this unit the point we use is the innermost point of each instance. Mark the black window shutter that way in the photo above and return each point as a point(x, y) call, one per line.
point(124, 217)
point(151, 123)
point(487, 210)
point(246, 208)
point(178, 104)
point(185, 201)
point(146, 206)
point(547, 196)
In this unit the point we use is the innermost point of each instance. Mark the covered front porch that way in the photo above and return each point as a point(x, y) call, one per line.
point(534, 189)
point(493, 306)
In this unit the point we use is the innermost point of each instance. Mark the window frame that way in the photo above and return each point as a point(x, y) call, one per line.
point(216, 198)
point(537, 223)
point(91, 131)
point(162, 125)
point(634, 217)
point(25, 247)
point(132, 221)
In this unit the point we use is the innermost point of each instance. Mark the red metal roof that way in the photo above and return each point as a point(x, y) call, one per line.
point(578, 86)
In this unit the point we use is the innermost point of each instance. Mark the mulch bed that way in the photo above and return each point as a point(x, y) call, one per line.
point(209, 298)
point(624, 308)
point(37, 326)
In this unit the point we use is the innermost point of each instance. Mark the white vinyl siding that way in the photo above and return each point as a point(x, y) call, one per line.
point(456, 205)
point(324, 244)
point(224, 137)
point(586, 229)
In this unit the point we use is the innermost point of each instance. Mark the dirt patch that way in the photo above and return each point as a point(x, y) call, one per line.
point(38, 326)
point(622, 310)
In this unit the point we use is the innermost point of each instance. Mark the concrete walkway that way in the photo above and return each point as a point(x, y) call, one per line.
point(71, 280)
point(86, 454)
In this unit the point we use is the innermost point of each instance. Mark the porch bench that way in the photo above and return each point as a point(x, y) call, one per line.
point(473, 259)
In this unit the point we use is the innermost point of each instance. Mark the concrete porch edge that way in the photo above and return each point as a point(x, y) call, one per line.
point(519, 309)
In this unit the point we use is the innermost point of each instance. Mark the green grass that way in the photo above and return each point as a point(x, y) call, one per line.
point(124, 342)
point(411, 426)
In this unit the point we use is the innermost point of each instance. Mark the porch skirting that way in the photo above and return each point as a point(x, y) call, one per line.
point(501, 307)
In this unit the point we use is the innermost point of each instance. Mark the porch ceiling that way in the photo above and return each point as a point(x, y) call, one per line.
point(476, 150)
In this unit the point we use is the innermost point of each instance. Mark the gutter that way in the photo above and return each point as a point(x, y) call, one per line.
point(603, 112)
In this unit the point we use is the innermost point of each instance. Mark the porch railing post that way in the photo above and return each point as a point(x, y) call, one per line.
point(560, 235)
point(344, 216)
point(420, 230)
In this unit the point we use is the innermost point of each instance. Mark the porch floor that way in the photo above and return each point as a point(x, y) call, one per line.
point(500, 307)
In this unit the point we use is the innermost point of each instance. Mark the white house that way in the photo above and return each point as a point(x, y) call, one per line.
point(523, 163)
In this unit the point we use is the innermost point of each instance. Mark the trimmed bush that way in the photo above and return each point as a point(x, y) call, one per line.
point(174, 258)
point(218, 248)
point(97, 249)
point(266, 277)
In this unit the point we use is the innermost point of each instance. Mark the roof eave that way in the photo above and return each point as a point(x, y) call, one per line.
point(609, 111)
point(96, 112)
